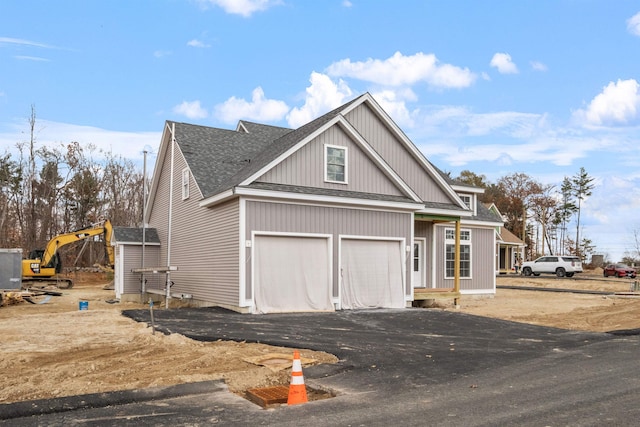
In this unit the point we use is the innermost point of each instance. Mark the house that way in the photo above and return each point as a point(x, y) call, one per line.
point(342, 213)
point(510, 248)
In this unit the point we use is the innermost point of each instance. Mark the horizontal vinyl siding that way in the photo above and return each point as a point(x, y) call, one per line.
point(133, 259)
point(396, 155)
point(306, 167)
point(204, 241)
point(482, 260)
point(281, 217)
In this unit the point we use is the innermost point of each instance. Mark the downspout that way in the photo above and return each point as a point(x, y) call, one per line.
point(144, 223)
point(168, 283)
point(456, 263)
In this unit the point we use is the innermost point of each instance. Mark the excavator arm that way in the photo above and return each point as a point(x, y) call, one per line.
point(102, 228)
point(44, 264)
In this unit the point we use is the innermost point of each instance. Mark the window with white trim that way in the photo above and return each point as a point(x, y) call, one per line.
point(450, 253)
point(466, 199)
point(335, 162)
point(185, 184)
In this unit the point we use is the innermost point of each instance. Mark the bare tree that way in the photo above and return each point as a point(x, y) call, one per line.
point(543, 206)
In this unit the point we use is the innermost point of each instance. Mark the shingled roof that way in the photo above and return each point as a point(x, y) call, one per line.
point(244, 151)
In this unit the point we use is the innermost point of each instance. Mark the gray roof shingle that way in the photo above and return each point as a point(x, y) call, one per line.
point(134, 235)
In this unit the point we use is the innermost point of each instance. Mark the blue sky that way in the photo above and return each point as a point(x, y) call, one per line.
point(495, 87)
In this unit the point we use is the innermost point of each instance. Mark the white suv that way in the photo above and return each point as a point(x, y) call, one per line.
point(561, 266)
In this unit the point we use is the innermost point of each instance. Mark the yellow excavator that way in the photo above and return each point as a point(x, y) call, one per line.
point(44, 264)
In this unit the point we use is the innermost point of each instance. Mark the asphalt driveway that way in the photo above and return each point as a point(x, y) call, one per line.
point(409, 367)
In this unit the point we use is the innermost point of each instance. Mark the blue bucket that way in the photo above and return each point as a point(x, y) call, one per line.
point(83, 305)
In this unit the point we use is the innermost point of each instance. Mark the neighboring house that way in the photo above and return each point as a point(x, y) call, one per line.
point(342, 213)
point(510, 248)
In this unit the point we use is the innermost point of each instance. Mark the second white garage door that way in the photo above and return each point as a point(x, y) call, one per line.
point(292, 273)
point(371, 274)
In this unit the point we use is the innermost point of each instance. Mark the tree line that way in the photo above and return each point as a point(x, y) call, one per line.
point(47, 191)
point(540, 214)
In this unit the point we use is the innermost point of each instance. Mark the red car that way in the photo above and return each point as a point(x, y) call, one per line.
point(619, 270)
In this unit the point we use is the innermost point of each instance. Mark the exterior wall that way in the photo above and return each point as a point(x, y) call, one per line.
point(306, 167)
point(132, 258)
point(482, 260)
point(395, 154)
point(204, 242)
point(283, 217)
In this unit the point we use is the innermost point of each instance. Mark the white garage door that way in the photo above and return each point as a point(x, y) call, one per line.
point(372, 274)
point(292, 274)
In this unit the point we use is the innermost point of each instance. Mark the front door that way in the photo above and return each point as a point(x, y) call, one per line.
point(418, 263)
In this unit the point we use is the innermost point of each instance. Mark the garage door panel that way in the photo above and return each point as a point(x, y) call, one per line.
point(292, 274)
point(372, 274)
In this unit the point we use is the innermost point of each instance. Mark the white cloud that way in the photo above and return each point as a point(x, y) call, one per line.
point(192, 110)
point(400, 70)
point(197, 43)
point(241, 7)
point(347, 3)
point(504, 64)
point(633, 24)
point(31, 58)
point(322, 96)
point(617, 104)
point(460, 122)
point(51, 134)
point(259, 109)
point(394, 103)
point(23, 42)
point(538, 66)
point(161, 53)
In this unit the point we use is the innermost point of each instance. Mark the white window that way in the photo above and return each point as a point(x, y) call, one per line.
point(450, 253)
point(466, 199)
point(335, 161)
point(185, 184)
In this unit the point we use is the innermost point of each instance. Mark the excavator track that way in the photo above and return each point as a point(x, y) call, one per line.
point(44, 282)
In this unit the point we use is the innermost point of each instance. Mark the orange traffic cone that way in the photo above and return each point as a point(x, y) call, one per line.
point(297, 389)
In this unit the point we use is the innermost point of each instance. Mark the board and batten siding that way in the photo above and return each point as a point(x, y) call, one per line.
point(132, 258)
point(305, 167)
point(396, 154)
point(292, 218)
point(482, 260)
point(204, 241)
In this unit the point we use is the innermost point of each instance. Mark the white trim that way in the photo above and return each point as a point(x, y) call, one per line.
point(218, 198)
point(323, 205)
point(462, 242)
point(423, 261)
point(289, 152)
point(185, 183)
point(410, 145)
point(346, 163)
point(242, 255)
point(353, 133)
point(444, 212)
point(465, 189)
point(270, 194)
point(241, 127)
point(255, 234)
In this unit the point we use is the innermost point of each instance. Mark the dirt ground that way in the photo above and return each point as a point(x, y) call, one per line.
point(54, 349)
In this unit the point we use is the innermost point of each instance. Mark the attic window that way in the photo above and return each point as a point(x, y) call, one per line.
point(335, 160)
point(185, 184)
point(466, 199)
